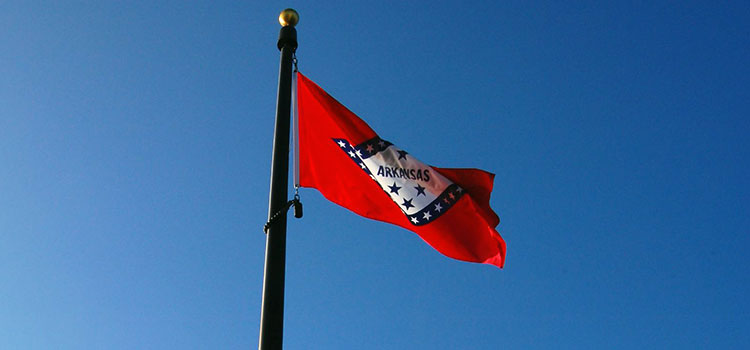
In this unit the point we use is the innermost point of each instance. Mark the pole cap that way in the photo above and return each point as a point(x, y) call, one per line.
point(288, 18)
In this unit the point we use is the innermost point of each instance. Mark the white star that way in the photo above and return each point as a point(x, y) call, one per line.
point(459, 190)
point(438, 207)
point(363, 165)
point(414, 220)
point(352, 154)
point(341, 144)
point(359, 153)
point(427, 215)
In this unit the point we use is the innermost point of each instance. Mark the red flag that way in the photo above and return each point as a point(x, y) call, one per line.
point(342, 157)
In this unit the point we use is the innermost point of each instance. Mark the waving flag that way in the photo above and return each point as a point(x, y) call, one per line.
point(344, 159)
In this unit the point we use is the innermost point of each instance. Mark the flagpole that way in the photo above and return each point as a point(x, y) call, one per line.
point(272, 308)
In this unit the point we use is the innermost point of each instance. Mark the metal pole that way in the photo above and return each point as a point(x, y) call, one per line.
point(272, 309)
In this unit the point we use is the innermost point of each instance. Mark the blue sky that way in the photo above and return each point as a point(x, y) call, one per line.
point(135, 145)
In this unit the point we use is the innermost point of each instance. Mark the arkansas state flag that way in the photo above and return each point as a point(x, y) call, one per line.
point(342, 157)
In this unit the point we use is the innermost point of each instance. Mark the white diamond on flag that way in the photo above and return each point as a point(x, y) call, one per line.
point(417, 189)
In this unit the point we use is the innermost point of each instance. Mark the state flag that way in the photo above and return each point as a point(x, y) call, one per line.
point(344, 159)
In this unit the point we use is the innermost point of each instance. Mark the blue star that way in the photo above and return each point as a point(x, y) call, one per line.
point(420, 190)
point(407, 203)
point(394, 188)
point(402, 154)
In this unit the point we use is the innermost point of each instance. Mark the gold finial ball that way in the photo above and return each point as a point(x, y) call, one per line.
point(288, 17)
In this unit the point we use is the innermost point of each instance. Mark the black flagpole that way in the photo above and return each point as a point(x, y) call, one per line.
point(272, 309)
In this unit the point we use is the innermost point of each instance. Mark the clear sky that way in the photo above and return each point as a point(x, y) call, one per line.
point(135, 148)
